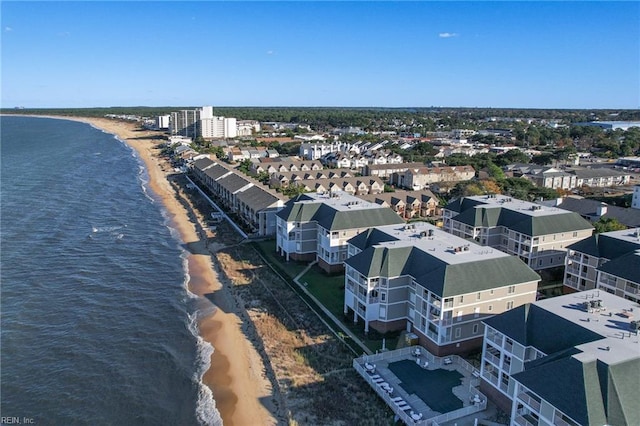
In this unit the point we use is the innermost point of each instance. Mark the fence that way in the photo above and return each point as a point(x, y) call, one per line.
point(434, 361)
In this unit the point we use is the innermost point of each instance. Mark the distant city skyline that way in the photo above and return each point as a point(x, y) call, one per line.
point(329, 54)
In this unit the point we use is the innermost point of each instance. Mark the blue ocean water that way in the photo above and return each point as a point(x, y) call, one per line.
point(97, 326)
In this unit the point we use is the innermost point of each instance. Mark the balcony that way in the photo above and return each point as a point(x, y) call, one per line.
point(560, 422)
point(527, 399)
point(495, 338)
point(495, 360)
point(522, 421)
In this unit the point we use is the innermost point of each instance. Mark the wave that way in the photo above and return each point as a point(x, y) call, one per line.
point(206, 411)
point(96, 229)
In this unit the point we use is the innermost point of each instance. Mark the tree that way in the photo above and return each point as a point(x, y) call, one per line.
point(495, 171)
point(542, 159)
point(511, 157)
point(608, 224)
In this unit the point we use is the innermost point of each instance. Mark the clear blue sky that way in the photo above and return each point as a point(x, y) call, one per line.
point(561, 54)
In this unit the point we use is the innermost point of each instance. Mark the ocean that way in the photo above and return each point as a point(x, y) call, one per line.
point(97, 325)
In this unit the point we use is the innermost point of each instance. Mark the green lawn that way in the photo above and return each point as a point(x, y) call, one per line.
point(291, 268)
point(328, 290)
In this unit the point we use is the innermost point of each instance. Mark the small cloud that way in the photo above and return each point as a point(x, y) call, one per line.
point(448, 35)
point(8, 29)
point(270, 52)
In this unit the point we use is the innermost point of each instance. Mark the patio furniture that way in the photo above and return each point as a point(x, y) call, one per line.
point(447, 361)
point(425, 365)
point(396, 399)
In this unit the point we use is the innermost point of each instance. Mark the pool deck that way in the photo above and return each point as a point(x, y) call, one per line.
point(424, 415)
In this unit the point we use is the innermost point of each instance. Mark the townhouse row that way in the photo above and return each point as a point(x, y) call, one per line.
point(408, 204)
point(254, 205)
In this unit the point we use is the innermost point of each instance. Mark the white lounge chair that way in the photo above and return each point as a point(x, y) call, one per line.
point(447, 361)
point(378, 380)
point(396, 398)
point(375, 376)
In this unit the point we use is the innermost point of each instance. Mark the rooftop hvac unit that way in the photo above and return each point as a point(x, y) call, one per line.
point(634, 326)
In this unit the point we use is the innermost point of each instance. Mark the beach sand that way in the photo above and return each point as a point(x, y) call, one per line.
point(236, 377)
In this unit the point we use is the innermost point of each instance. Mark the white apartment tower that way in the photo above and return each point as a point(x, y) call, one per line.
point(211, 127)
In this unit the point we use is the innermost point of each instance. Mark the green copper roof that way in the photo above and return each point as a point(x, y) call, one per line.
point(437, 276)
point(336, 220)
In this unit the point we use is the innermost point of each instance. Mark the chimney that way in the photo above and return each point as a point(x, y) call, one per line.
point(601, 210)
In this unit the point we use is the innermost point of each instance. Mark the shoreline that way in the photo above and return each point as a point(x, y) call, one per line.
point(236, 373)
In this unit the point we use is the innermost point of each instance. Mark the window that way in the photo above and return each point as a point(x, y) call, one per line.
point(478, 296)
point(458, 332)
point(476, 312)
point(510, 304)
point(490, 308)
point(383, 297)
point(461, 299)
point(459, 316)
point(475, 328)
point(575, 234)
point(491, 291)
point(512, 289)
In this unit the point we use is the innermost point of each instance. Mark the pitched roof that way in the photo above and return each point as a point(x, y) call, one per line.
point(626, 266)
point(334, 220)
point(608, 245)
point(216, 171)
point(475, 212)
point(233, 182)
point(600, 393)
point(337, 214)
point(446, 274)
point(529, 325)
point(257, 198)
point(202, 163)
point(585, 207)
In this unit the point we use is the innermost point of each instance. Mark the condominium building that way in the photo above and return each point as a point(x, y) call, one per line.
point(538, 235)
point(211, 126)
point(201, 122)
point(316, 150)
point(584, 257)
point(184, 123)
point(421, 177)
point(317, 226)
point(569, 360)
point(439, 286)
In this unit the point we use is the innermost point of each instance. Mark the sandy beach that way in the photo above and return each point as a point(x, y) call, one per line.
point(236, 376)
point(274, 361)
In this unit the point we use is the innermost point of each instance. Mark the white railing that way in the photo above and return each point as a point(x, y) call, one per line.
point(527, 399)
point(433, 360)
point(462, 412)
point(402, 415)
